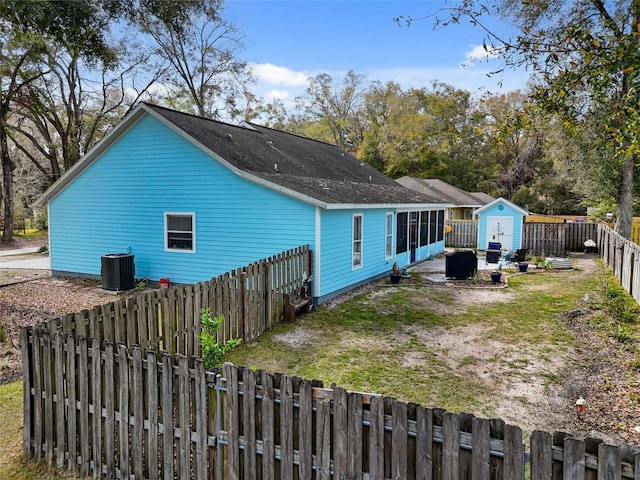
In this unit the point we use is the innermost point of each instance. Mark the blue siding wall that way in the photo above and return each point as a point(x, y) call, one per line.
point(506, 211)
point(336, 249)
point(117, 205)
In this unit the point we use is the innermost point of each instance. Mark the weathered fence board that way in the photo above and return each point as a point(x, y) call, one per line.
point(623, 257)
point(463, 234)
point(149, 415)
point(250, 300)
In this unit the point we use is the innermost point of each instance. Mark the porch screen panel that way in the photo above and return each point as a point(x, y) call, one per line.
point(401, 234)
point(424, 228)
point(440, 225)
point(433, 227)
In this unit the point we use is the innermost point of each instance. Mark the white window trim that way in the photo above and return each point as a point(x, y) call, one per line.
point(388, 235)
point(193, 224)
point(353, 241)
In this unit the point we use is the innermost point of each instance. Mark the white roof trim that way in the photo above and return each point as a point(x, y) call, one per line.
point(397, 206)
point(500, 200)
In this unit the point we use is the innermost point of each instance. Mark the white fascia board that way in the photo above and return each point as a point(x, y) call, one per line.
point(397, 206)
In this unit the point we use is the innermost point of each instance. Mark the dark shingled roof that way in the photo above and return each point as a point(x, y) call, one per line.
point(445, 192)
point(318, 170)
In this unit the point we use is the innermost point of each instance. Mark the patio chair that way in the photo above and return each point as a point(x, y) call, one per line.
point(520, 255)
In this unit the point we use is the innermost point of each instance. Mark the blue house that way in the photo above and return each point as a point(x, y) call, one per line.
point(192, 198)
point(500, 221)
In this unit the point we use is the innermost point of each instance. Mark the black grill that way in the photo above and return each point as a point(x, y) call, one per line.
point(462, 264)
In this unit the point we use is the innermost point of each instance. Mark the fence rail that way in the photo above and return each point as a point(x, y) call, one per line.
point(250, 299)
point(116, 412)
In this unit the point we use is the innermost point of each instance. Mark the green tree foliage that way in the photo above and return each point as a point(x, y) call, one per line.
point(83, 23)
point(337, 107)
point(212, 350)
point(585, 56)
point(200, 49)
point(71, 69)
point(429, 133)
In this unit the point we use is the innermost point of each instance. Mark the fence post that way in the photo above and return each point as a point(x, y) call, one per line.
point(573, 465)
point(243, 314)
point(25, 337)
point(268, 296)
point(609, 466)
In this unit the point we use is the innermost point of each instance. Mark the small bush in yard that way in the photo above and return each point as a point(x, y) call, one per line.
point(3, 334)
point(618, 303)
point(212, 352)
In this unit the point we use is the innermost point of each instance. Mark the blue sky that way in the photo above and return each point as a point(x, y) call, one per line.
point(288, 41)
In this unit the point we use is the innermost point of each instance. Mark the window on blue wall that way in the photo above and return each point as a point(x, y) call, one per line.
point(424, 228)
point(357, 241)
point(402, 225)
point(388, 237)
point(440, 225)
point(179, 232)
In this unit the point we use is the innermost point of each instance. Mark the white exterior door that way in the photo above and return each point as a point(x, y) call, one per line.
point(500, 229)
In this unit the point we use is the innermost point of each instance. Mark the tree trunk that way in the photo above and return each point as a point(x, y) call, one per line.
point(625, 199)
point(7, 185)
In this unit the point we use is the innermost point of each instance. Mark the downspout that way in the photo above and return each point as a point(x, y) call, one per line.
point(317, 256)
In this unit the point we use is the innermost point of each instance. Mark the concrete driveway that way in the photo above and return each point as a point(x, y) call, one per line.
point(16, 260)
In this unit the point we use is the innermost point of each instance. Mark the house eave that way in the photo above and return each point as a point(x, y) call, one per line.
point(500, 200)
point(396, 206)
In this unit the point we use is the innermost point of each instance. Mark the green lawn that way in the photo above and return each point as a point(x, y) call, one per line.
point(12, 464)
point(384, 343)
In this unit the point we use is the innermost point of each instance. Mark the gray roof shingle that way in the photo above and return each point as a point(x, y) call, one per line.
point(315, 169)
point(445, 192)
point(316, 172)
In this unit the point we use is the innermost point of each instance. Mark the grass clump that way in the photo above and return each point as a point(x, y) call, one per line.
point(12, 465)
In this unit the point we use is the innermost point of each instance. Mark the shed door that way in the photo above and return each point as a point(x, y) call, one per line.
point(500, 229)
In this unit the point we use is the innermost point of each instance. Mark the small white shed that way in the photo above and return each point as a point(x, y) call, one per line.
point(500, 221)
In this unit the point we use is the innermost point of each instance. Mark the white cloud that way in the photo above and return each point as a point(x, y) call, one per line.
point(285, 84)
point(478, 52)
point(281, 76)
point(279, 94)
point(474, 80)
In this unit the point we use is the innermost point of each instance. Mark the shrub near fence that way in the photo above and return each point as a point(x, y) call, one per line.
point(114, 412)
point(250, 299)
point(623, 257)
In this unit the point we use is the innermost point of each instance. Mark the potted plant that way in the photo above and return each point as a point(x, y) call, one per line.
point(396, 274)
point(495, 276)
point(523, 266)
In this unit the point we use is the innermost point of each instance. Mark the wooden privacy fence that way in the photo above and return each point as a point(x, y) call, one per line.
point(623, 257)
point(117, 412)
point(463, 234)
point(557, 238)
point(539, 238)
point(250, 299)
